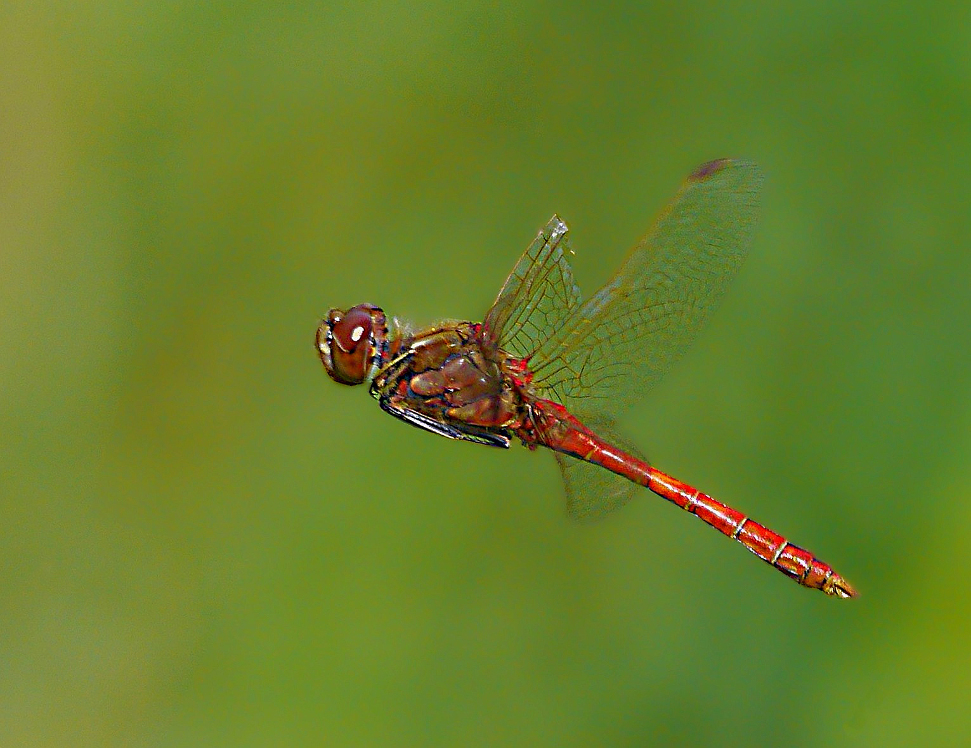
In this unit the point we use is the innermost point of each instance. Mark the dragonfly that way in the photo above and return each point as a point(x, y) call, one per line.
point(552, 370)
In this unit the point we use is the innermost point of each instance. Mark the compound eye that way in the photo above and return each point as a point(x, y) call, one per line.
point(346, 344)
point(352, 332)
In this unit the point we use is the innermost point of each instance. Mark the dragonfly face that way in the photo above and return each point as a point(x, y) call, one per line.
point(353, 345)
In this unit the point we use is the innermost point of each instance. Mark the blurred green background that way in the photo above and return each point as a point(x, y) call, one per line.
point(207, 543)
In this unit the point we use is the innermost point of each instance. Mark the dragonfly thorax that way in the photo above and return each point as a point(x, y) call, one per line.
point(353, 345)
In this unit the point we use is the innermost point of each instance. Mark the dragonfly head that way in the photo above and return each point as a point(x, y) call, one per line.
point(353, 345)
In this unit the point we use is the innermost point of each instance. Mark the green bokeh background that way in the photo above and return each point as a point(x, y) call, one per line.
point(207, 543)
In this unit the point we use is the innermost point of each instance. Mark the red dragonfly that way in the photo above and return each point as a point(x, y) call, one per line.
point(553, 370)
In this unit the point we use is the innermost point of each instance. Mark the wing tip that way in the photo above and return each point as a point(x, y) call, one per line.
point(556, 226)
point(710, 168)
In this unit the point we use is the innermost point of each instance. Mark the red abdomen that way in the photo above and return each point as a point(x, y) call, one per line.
point(557, 429)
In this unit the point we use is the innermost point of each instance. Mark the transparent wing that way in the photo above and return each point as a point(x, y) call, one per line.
point(592, 492)
point(632, 330)
point(539, 296)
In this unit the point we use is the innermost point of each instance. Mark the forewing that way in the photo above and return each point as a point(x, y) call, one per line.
point(538, 297)
point(623, 339)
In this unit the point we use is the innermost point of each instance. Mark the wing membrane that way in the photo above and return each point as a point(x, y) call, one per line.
point(592, 492)
point(539, 295)
point(625, 337)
